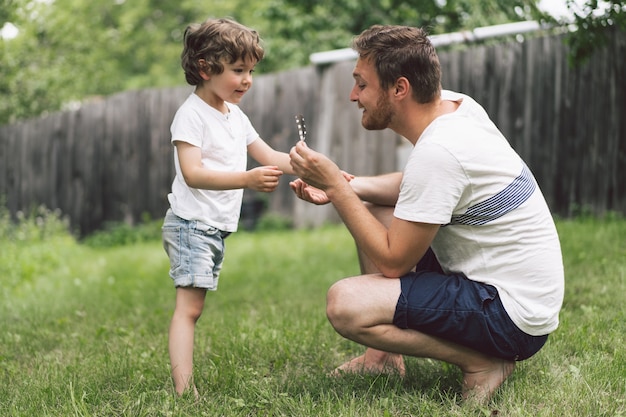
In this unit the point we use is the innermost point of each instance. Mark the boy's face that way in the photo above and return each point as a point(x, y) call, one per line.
point(233, 82)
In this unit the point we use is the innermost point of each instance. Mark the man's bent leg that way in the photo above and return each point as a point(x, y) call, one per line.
point(373, 360)
point(362, 309)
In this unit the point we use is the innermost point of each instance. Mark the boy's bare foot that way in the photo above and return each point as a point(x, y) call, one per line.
point(190, 390)
point(373, 362)
point(479, 386)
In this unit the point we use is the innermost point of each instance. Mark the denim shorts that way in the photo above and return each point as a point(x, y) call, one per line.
point(457, 309)
point(196, 252)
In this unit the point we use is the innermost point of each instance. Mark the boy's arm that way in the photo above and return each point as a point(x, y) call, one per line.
point(196, 175)
point(264, 154)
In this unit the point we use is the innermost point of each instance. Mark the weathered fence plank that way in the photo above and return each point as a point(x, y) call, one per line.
point(111, 160)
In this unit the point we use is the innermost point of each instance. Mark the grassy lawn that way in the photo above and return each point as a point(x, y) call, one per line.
point(84, 333)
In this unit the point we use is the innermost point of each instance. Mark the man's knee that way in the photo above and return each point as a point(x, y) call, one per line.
point(355, 305)
point(338, 308)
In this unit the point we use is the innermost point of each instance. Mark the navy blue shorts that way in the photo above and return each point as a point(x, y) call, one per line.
point(462, 311)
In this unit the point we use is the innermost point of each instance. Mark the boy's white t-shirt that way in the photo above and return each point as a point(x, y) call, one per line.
point(496, 226)
point(223, 140)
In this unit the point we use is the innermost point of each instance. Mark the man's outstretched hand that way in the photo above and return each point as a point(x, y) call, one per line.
point(309, 193)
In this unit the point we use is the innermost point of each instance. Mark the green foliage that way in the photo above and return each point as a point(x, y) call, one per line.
point(30, 246)
point(38, 225)
point(69, 51)
point(594, 25)
point(272, 222)
point(115, 234)
point(294, 28)
point(593, 20)
point(122, 234)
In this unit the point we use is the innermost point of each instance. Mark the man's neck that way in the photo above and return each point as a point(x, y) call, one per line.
point(419, 116)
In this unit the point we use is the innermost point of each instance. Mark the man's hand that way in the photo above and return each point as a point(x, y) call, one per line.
point(314, 168)
point(309, 193)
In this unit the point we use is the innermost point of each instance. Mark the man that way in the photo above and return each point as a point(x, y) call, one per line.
point(488, 285)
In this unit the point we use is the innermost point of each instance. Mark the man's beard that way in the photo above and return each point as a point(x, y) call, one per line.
point(380, 117)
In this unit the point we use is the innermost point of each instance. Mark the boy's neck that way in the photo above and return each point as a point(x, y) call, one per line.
point(212, 100)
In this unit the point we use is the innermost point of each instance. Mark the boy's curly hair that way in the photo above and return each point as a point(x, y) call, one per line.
point(215, 41)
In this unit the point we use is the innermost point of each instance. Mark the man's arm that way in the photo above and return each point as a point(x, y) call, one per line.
point(394, 251)
point(377, 190)
point(382, 190)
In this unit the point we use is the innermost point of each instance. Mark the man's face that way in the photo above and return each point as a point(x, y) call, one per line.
point(369, 96)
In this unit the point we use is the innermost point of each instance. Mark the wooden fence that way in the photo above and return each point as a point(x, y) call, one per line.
point(111, 160)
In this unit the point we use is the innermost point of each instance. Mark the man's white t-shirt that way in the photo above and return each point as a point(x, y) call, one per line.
point(223, 140)
point(496, 226)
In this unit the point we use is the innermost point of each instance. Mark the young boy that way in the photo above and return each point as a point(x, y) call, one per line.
point(212, 138)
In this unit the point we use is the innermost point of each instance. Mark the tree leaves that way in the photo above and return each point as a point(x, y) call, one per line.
point(70, 50)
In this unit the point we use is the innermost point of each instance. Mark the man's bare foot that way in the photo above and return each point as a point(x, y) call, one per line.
point(479, 386)
point(373, 362)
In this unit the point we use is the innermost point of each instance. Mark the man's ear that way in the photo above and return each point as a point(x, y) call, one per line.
point(204, 70)
point(402, 88)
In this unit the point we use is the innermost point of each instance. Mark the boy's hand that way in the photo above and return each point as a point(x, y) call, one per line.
point(264, 179)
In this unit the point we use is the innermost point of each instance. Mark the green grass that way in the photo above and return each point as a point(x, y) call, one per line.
point(84, 333)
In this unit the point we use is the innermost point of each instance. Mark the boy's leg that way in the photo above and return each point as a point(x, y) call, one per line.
point(189, 305)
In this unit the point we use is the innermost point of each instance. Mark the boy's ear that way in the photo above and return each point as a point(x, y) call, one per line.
point(204, 73)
